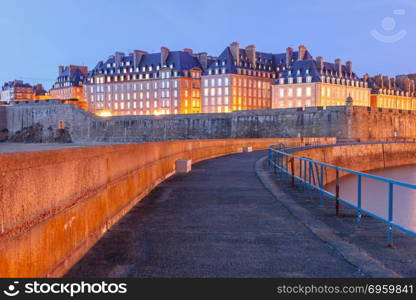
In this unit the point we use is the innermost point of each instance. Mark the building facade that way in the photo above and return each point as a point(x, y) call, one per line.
point(313, 82)
point(394, 93)
point(16, 90)
point(70, 85)
point(241, 79)
point(141, 83)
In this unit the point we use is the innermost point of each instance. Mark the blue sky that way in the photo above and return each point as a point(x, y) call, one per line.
point(37, 36)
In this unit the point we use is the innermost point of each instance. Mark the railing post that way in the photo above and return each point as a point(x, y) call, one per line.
point(337, 193)
point(390, 229)
point(275, 163)
point(292, 165)
point(359, 199)
point(321, 186)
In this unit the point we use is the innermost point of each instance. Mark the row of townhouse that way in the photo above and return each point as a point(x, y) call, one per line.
point(184, 82)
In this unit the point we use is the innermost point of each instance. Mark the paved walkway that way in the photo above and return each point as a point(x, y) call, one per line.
point(217, 221)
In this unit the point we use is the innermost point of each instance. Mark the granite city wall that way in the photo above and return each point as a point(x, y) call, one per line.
point(345, 123)
point(54, 205)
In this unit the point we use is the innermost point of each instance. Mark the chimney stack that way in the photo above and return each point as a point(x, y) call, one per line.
point(118, 57)
point(348, 65)
point(302, 52)
point(338, 65)
point(289, 54)
point(164, 52)
point(137, 57)
point(188, 50)
point(251, 54)
point(235, 51)
point(320, 62)
point(378, 79)
point(203, 59)
point(60, 69)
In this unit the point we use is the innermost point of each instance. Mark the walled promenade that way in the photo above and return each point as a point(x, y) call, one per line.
point(232, 217)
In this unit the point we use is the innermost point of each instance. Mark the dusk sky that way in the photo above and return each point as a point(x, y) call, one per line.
point(37, 36)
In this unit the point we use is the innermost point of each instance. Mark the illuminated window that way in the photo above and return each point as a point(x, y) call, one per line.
point(290, 92)
point(281, 92)
point(308, 91)
point(299, 92)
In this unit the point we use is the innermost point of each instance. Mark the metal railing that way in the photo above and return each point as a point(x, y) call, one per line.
point(315, 175)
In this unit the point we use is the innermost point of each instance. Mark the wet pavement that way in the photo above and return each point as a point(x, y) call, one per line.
point(217, 221)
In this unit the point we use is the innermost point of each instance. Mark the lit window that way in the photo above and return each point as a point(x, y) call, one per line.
point(299, 92)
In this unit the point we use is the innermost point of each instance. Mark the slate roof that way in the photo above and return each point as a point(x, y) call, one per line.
point(15, 83)
point(178, 60)
point(74, 77)
point(310, 67)
point(268, 62)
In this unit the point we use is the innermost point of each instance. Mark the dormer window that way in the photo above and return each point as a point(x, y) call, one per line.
point(171, 66)
point(298, 72)
point(223, 62)
point(307, 71)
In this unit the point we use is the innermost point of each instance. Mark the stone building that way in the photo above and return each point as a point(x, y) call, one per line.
point(16, 90)
point(241, 79)
point(390, 92)
point(314, 82)
point(69, 85)
point(141, 83)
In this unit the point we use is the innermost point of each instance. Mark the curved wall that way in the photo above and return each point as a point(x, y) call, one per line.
point(54, 205)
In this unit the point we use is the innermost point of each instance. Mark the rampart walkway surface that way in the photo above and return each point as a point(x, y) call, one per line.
point(217, 221)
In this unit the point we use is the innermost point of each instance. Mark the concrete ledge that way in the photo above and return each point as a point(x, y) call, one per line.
point(56, 204)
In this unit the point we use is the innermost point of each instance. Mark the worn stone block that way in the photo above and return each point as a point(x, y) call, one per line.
point(183, 165)
point(247, 149)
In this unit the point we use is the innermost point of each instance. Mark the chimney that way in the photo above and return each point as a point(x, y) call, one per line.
point(164, 52)
point(302, 52)
point(348, 65)
point(251, 54)
point(137, 57)
point(118, 57)
point(387, 82)
point(338, 66)
point(378, 79)
point(60, 69)
point(188, 50)
point(289, 54)
point(235, 51)
point(203, 59)
point(320, 62)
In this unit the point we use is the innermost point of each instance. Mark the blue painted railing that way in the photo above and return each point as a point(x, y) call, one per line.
point(311, 173)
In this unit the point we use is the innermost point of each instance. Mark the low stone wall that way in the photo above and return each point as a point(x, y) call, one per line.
point(362, 157)
point(54, 205)
point(347, 123)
